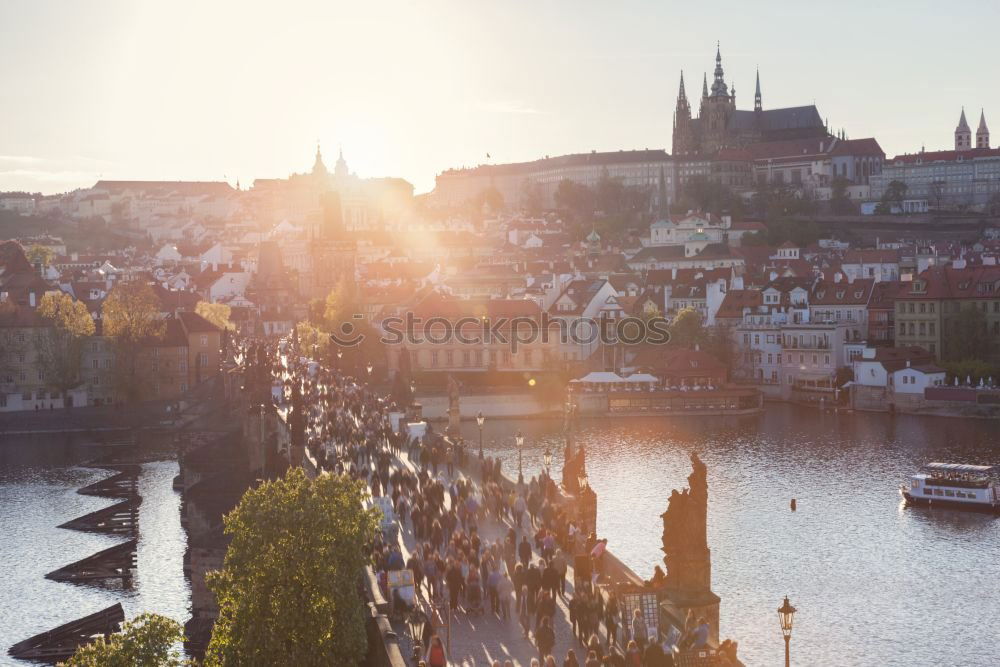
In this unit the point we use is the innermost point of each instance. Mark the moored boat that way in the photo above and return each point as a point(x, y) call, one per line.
point(955, 485)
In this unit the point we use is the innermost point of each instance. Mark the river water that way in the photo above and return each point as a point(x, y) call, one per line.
point(39, 477)
point(874, 583)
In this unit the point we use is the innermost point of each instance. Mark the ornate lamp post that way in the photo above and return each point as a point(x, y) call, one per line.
point(785, 614)
point(417, 620)
point(519, 439)
point(480, 419)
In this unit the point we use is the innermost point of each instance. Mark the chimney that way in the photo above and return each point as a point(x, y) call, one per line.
point(907, 363)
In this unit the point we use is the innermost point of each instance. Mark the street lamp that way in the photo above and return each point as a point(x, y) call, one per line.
point(480, 419)
point(417, 620)
point(519, 439)
point(547, 458)
point(785, 614)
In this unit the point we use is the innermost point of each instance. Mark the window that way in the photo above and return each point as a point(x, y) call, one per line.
point(204, 340)
point(434, 358)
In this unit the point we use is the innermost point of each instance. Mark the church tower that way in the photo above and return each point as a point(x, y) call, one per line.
point(319, 169)
point(963, 134)
point(757, 106)
point(719, 106)
point(683, 138)
point(983, 133)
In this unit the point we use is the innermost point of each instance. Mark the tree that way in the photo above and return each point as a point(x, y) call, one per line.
point(340, 307)
point(686, 328)
point(575, 198)
point(131, 316)
point(970, 339)
point(216, 313)
point(840, 203)
point(892, 198)
point(531, 198)
point(288, 590)
point(39, 254)
point(148, 640)
point(60, 348)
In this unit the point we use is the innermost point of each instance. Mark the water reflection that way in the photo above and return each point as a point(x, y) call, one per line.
point(38, 482)
point(859, 568)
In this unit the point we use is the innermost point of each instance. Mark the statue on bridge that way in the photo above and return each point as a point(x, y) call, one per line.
point(685, 533)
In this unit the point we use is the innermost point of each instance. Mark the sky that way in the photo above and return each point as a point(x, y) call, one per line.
point(236, 91)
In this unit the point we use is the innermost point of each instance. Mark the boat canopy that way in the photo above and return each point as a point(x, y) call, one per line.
point(642, 377)
point(600, 376)
point(958, 467)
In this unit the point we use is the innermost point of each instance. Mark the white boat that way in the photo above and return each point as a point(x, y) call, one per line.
point(956, 486)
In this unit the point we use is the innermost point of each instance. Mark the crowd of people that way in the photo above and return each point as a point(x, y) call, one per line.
point(520, 577)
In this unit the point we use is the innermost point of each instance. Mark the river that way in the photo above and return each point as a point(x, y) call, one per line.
point(39, 477)
point(874, 583)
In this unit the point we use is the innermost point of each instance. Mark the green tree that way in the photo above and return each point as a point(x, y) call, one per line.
point(288, 590)
point(970, 340)
point(575, 197)
point(216, 313)
point(131, 317)
point(686, 328)
point(893, 196)
point(147, 641)
point(340, 307)
point(840, 203)
point(39, 254)
point(60, 348)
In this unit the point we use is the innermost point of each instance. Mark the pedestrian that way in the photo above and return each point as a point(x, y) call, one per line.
point(523, 613)
point(633, 656)
point(524, 551)
point(505, 588)
point(639, 632)
point(545, 637)
point(562, 568)
point(570, 660)
point(436, 656)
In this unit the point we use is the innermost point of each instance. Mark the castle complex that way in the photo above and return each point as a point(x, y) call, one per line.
point(720, 124)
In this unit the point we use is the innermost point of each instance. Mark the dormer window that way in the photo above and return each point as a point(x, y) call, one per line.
point(840, 294)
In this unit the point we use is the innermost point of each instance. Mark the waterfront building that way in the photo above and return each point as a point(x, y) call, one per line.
point(893, 378)
point(812, 353)
point(435, 348)
point(966, 177)
point(927, 311)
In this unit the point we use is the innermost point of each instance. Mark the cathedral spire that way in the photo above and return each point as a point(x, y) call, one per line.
point(683, 106)
point(719, 88)
point(757, 106)
point(983, 133)
point(704, 85)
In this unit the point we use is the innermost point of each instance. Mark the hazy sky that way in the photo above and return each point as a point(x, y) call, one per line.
point(212, 90)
